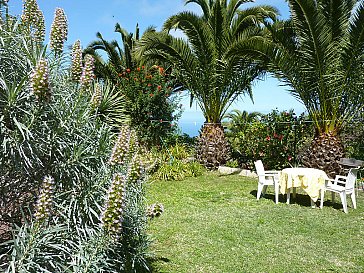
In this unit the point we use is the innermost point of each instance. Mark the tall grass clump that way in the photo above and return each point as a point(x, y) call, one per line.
point(57, 186)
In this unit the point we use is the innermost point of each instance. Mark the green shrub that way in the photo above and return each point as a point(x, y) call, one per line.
point(176, 163)
point(152, 107)
point(275, 138)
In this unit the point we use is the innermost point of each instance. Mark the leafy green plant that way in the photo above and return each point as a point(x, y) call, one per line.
point(174, 163)
point(275, 139)
point(232, 163)
point(152, 107)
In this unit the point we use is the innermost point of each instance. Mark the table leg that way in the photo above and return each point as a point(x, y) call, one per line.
point(313, 205)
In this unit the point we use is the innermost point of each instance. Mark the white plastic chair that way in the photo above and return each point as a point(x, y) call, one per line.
point(342, 185)
point(265, 179)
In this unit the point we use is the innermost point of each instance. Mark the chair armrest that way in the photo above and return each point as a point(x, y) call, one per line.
point(272, 172)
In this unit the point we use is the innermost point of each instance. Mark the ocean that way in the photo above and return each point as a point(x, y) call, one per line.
point(191, 122)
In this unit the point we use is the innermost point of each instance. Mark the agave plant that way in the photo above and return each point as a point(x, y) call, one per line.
point(319, 54)
point(201, 65)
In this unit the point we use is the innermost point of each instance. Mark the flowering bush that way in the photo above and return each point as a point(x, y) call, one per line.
point(275, 139)
point(152, 107)
point(64, 205)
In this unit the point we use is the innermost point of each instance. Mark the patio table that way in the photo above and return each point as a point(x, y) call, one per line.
point(311, 180)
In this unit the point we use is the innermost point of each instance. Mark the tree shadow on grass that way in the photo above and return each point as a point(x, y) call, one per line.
point(300, 199)
point(154, 261)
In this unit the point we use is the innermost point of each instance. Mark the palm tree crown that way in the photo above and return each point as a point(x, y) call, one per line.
point(199, 60)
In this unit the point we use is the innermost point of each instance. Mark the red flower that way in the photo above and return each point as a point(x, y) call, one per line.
point(267, 138)
point(149, 84)
point(159, 87)
point(289, 158)
point(280, 137)
point(151, 95)
point(142, 66)
point(128, 70)
point(138, 68)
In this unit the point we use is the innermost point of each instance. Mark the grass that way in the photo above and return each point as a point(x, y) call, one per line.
point(215, 224)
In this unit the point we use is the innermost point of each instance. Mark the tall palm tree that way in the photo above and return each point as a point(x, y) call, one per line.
point(319, 54)
point(200, 64)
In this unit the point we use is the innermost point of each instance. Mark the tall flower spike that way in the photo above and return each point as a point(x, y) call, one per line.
point(88, 75)
point(39, 81)
point(43, 205)
point(112, 215)
point(135, 169)
point(96, 97)
point(76, 68)
point(121, 147)
point(59, 31)
point(33, 19)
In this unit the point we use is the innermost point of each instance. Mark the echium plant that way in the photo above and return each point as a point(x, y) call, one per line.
point(96, 96)
point(88, 74)
point(76, 67)
point(43, 205)
point(39, 81)
point(112, 215)
point(135, 169)
point(33, 19)
point(59, 31)
point(125, 145)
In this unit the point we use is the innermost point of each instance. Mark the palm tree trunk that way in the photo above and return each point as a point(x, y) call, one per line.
point(212, 147)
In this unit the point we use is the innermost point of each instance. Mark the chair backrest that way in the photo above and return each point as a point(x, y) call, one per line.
point(259, 167)
point(351, 178)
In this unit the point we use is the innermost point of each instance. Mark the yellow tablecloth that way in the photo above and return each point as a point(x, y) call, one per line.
point(309, 179)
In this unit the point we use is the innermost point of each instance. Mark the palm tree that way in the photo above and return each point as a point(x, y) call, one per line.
point(239, 120)
point(319, 54)
point(119, 58)
point(200, 63)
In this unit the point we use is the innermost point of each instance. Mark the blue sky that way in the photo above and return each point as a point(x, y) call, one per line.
point(88, 17)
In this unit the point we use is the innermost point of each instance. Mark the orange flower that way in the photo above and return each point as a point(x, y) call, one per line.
point(138, 68)
point(149, 84)
point(142, 66)
point(151, 95)
point(128, 70)
point(159, 87)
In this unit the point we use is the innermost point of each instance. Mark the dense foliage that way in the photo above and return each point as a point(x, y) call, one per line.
point(59, 190)
point(275, 138)
point(152, 107)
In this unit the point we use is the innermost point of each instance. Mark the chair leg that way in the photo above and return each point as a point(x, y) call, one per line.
point(276, 192)
point(260, 188)
point(343, 201)
point(288, 195)
point(353, 199)
point(322, 198)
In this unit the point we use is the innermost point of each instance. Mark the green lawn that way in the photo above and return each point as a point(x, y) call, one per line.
point(215, 224)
